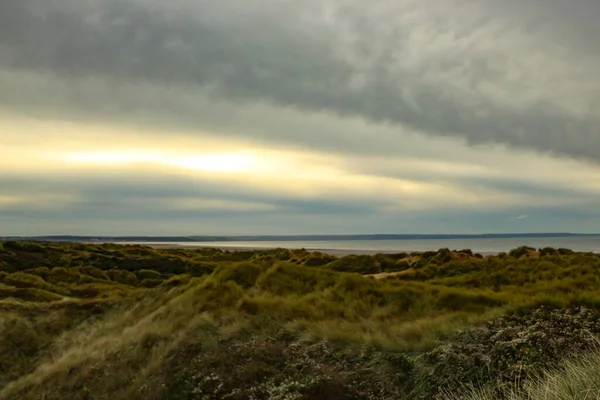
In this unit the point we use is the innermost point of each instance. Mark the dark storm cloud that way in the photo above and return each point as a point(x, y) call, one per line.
point(484, 71)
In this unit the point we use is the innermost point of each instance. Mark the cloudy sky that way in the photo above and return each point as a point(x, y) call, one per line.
point(299, 117)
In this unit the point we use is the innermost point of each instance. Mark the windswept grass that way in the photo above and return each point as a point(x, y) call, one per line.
point(575, 379)
point(82, 321)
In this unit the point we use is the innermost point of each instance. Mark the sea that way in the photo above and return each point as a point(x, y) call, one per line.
point(485, 246)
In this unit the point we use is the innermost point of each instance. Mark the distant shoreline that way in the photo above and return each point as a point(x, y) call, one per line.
point(350, 244)
point(332, 252)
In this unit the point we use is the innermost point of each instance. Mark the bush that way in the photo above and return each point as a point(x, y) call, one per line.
point(319, 260)
point(278, 254)
point(42, 272)
point(510, 348)
point(123, 277)
point(234, 256)
point(23, 280)
point(565, 252)
point(93, 290)
point(520, 251)
point(278, 368)
point(63, 275)
point(95, 273)
point(359, 264)
point(443, 256)
point(548, 251)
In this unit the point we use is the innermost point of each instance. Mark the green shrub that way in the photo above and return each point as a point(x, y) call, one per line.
point(42, 272)
point(95, 290)
point(362, 264)
point(95, 273)
point(318, 260)
point(548, 251)
point(278, 254)
point(443, 256)
point(386, 263)
point(233, 256)
point(63, 275)
point(123, 277)
point(520, 251)
point(508, 349)
point(200, 268)
point(23, 280)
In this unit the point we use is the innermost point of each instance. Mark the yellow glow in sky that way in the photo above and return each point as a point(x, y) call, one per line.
point(211, 162)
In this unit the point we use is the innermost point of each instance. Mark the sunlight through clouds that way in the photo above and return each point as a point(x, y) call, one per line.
point(326, 116)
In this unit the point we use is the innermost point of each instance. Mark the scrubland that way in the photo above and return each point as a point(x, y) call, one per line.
point(106, 321)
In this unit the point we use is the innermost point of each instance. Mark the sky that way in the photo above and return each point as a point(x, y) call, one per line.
point(231, 117)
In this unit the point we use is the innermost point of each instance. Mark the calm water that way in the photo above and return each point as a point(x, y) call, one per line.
point(485, 246)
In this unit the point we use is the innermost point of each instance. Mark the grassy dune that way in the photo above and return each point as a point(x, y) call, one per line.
point(81, 321)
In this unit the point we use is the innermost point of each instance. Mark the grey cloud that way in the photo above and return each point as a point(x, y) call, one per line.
point(136, 204)
point(475, 71)
point(157, 197)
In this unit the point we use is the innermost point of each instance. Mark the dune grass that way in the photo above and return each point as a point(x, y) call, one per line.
point(575, 379)
point(80, 321)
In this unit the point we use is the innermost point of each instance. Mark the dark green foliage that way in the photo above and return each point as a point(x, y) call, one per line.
point(278, 254)
point(565, 252)
point(508, 349)
point(318, 260)
point(388, 264)
point(41, 272)
point(23, 280)
point(234, 256)
point(428, 254)
point(474, 302)
point(124, 277)
point(280, 368)
point(520, 251)
point(63, 275)
point(362, 264)
point(548, 251)
point(443, 256)
point(95, 273)
point(28, 294)
point(397, 256)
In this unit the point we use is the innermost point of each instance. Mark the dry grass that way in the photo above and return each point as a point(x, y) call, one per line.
point(90, 331)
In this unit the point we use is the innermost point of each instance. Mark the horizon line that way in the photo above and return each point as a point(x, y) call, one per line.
point(207, 236)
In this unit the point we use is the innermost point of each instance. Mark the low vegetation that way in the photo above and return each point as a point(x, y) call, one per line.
point(98, 321)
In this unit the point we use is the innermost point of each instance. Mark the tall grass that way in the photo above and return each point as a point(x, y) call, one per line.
point(576, 379)
point(130, 322)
